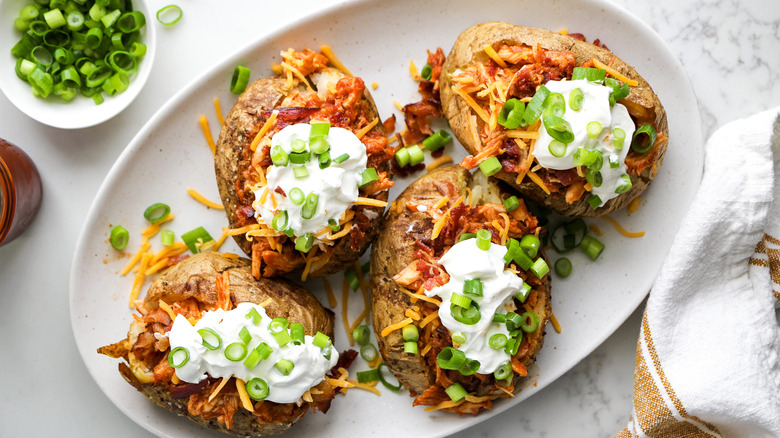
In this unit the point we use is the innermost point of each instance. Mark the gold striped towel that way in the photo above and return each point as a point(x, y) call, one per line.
point(708, 355)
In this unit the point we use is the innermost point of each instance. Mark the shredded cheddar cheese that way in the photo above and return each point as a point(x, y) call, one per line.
point(412, 314)
point(489, 51)
point(266, 127)
point(246, 402)
point(364, 130)
point(329, 290)
point(202, 199)
point(473, 104)
point(137, 257)
point(218, 110)
point(344, 308)
point(413, 71)
point(427, 320)
point(218, 388)
point(554, 322)
point(518, 134)
point(328, 52)
point(614, 73)
point(444, 159)
point(370, 202)
point(204, 125)
point(420, 296)
point(633, 205)
point(535, 178)
point(139, 279)
point(167, 309)
point(596, 230)
point(621, 229)
point(445, 405)
point(425, 350)
point(365, 386)
point(397, 326)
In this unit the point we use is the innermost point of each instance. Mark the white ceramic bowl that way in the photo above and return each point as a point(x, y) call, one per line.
point(81, 112)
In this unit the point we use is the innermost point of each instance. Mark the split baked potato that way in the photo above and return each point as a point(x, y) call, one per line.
point(308, 89)
point(432, 216)
point(209, 281)
point(493, 63)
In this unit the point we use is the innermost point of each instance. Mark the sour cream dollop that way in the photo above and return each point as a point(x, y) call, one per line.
point(595, 108)
point(310, 363)
point(336, 185)
point(465, 261)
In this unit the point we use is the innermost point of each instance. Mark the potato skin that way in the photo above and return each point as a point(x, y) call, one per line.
point(236, 135)
point(468, 48)
point(394, 249)
point(194, 277)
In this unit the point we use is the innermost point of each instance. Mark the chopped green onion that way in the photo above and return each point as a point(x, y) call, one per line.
point(534, 108)
point(411, 333)
point(469, 368)
point(592, 247)
point(368, 176)
point(310, 205)
point(530, 245)
point(497, 341)
point(466, 236)
point(297, 333)
point(368, 376)
point(341, 158)
point(644, 138)
point(333, 225)
point(575, 99)
point(511, 203)
point(427, 72)
point(54, 18)
point(459, 338)
point(437, 140)
point(619, 90)
point(554, 105)
point(468, 316)
point(304, 243)
point(257, 389)
point(594, 178)
point(321, 340)
point(484, 238)
point(279, 222)
point(298, 145)
point(523, 292)
point(97, 11)
point(368, 352)
point(300, 172)
point(211, 340)
point(167, 237)
point(361, 334)
point(589, 74)
point(415, 155)
point(282, 338)
point(40, 55)
point(594, 201)
point(456, 392)
point(119, 237)
point(178, 357)
point(540, 268)
point(491, 166)
point(563, 267)
point(558, 128)
point(614, 161)
point(110, 18)
point(410, 347)
point(297, 196)
point(450, 358)
point(499, 317)
point(626, 185)
point(254, 315)
point(130, 22)
point(503, 371)
point(94, 38)
point(402, 157)
point(584, 157)
point(236, 351)
point(530, 322)
point(473, 287)
point(618, 138)
point(240, 78)
point(169, 15)
point(244, 335)
point(513, 344)
point(319, 129)
point(252, 359)
point(279, 157)
point(388, 385)
point(324, 160)
point(513, 321)
point(319, 145)
point(157, 212)
point(29, 13)
point(278, 325)
point(557, 148)
point(511, 114)
point(594, 129)
point(460, 300)
point(195, 238)
point(265, 350)
point(300, 157)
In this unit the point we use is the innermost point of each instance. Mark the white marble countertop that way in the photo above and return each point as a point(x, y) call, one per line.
point(729, 49)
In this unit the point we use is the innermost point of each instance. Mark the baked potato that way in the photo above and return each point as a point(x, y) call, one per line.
point(426, 246)
point(493, 68)
point(255, 178)
point(208, 289)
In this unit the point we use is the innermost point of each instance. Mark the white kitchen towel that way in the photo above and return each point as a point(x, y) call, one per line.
point(708, 355)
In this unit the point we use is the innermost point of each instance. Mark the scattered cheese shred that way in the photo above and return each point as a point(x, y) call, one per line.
point(344, 308)
point(614, 73)
point(364, 130)
point(218, 110)
point(328, 52)
point(310, 258)
point(422, 297)
point(204, 125)
point(344, 231)
point(139, 279)
point(621, 229)
point(535, 178)
point(398, 105)
point(444, 159)
point(246, 402)
point(266, 302)
point(441, 202)
point(554, 322)
point(563, 32)
point(266, 127)
point(633, 205)
point(429, 318)
point(297, 73)
point(444, 405)
point(365, 386)
point(425, 350)
point(489, 51)
point(413, 71)
point(412, 314)
point(329, 290)
point(370, 201)
point(137, 257)
point(516, 133)
point(163, 305)
point(202, 199)
point(473, 104)
point(374, 85)
point(596, 230)
point(397, 326)
point(218, 388)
